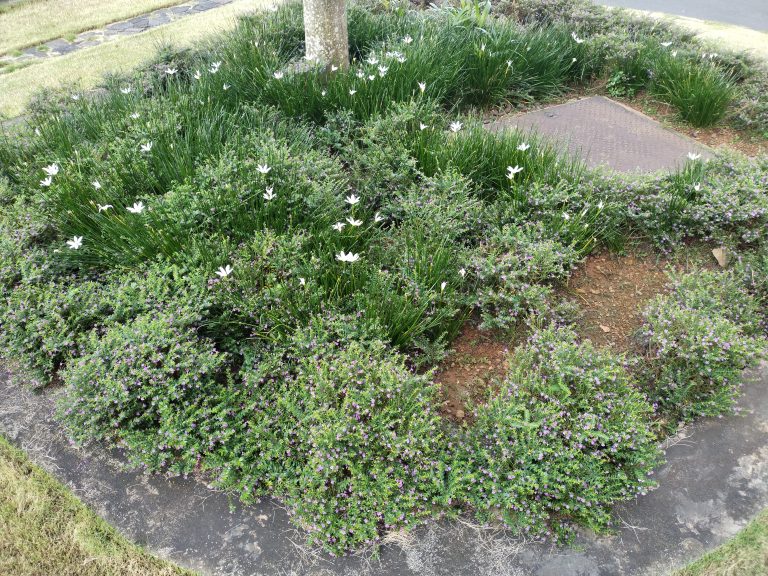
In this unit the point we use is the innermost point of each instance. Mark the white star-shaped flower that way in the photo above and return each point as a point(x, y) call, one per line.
point(697, 187)
point(96, 184)
point(46, 181)
point(463, 272)
point(512, 170)
point(75, 243)
point(576, 38)
point(224, 271)
point(566, 216)
point(352, 92)
point(339, 226)
point(226, 86)
point(75, 97)
point(342, 257)
point(407, 40)
point(422, 86)
point(103, 207)
point(378, 218)
point(422, 126)
point(303, 281)
point(360, 74)
point(372, 60)
point(278, 75)
point(692, 156)
point(666, 44)
point(215, 66)
point(171, 71)
point(269, 194)
point(197, 75)
point(352, 199)
point(334, 68)
point(523, 147)
point(146, 147)
point(383, 70)
point(263, 168)
point(456, 126)
point(125, 89)
point(135, 115)
point(371, 77)
point(354, 222)
point(51, 169)
point(137, 208)
point(442, 286)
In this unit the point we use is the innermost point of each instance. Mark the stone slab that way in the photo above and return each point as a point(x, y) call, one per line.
point(606, 133)
point(714, 482)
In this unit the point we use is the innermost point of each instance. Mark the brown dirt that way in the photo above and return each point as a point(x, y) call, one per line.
point(475, 363)
point(612, 291)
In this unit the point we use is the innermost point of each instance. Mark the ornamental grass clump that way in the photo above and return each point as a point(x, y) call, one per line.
point(567, 436)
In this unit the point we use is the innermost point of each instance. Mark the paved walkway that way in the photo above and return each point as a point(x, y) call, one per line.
point(606, 133)
point(750, 13)
point(715, 481)
point(135, 25)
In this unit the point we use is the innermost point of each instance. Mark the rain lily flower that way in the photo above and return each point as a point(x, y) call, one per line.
point(692, 156)
point(171, 71)
point(146, 147)
point(103, 207)
point(334, 68)
point(400, 58)
point(666, 44)
point(422, 126)
point(75, 243)
point(697, 186)
point(523, 147)
point(135, 115)
point(226, 86)
point(378, 218)
point(407, 40)
point(278, 75)
point(342, 257)
point(75, 97)
point(462, 272)
point(197, 75)
point(125, 89)
point(674, 53)
point(224, 271)
point(512, 170)
point(137, 208)
point(566, 216)
point(576, 38)
point(352, 92)
point(442, 286)
point(339, 226)
point(352, 199)
point(422, 86)
point(382, 70)
point(371, 77)
point(354, 222)
point(96, 184)
point(263, 168)
point(52, 169)
point(269, 194)
point(324, 93)
point(46, 182)
point(372, 60)
point(303, 281)
point(215, 67)
point(456, 126)
point(360, 74)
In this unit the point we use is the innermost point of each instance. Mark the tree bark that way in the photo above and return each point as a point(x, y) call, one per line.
point(325, 32)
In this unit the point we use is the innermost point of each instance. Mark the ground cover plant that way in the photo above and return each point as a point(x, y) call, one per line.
point(242, 269)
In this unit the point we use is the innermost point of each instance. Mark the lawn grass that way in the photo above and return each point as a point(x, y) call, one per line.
point(45, 529)
point(29, 23)
point(745, 555)
point(88, 66)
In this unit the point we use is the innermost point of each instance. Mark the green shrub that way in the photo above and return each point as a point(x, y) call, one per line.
point(565, 438)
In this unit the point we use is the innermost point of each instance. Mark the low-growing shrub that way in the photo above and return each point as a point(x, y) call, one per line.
point(565, 438)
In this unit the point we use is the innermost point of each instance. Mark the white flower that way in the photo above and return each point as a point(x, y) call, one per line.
point(96, 184)
point(197, 75)
point(339, 226)
point(75, 243)
point(509, 63)
point(354, 222)
point(422, 126)
point(215, 66)
point(324, 93)
point(456, 126)
point(303, 281)
point(269, 194)
point(352, 92)
point(371, 77)
point(383, 70)
point(360, 74)
point(600, 205)
point(278, 75)
point(443, 285)
point(103, 207)
point(334, 67)
point(674, 53)
point(352, 199)
point(135, 115)
point(566, 216)
point(125, 89)
point(422, 86)
point(263, 168)
point(463, 272)
point(573, 60)
point(576, 38)
point(512, 170)
point(400, 58)
point(482, 47)
point(46, 182)
point(75, 97)
point(226, 86)
point(407, 40)
point(146, 147)
point(692, 156)
point(224, 271)
point(523, 147)
point(342, 257)
point(372, 60)
point(171, 71)
point(378, 218)
point(697, 186)
point(37, 131)
point(137, 208)
point(52, 169)
point(666, 44)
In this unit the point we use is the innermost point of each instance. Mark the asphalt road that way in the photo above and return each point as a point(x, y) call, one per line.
point(750, 13)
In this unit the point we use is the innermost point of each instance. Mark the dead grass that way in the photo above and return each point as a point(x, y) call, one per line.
point(86, 67)
point(745, 555)
point(45, 530)
point(29, 23)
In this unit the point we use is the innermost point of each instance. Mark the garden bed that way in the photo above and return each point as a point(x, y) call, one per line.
point(249, 273)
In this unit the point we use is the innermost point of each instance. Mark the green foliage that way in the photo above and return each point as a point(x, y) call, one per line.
point(566, 437)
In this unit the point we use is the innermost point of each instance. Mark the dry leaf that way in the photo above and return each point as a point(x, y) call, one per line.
point(721, 256)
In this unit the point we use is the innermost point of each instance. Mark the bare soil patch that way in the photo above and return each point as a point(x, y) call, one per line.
point(476, 362)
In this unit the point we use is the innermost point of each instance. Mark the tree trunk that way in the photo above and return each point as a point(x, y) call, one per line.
point(325, 32)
